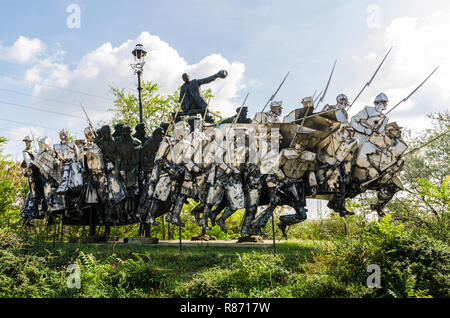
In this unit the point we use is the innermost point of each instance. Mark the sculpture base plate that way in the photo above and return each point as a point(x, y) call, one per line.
point(250, 239)
point(141, 240)
point(93, 239)
point(204, 237)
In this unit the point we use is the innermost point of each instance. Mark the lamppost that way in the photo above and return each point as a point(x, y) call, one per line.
point(139, 54)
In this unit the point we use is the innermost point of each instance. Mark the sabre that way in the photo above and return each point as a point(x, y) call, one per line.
point(276, 92)
point(240, 110)
point(326, 87)
point(412, 93)
point(371, 79)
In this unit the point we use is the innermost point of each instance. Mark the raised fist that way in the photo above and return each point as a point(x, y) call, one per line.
point(222, 74)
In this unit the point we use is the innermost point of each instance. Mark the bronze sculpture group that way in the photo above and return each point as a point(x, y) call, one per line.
point(238, 163)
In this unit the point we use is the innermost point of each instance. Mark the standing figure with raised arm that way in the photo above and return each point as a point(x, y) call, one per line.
point(191, 98)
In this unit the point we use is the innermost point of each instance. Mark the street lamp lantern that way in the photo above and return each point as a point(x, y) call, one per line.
point(139, 54)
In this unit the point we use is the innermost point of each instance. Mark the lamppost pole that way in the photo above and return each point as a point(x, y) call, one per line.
point(141, 116)
point(139, 54)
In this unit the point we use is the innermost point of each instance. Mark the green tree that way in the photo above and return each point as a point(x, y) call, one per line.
point(156, 107)
point(424, 203)
point(13, 187)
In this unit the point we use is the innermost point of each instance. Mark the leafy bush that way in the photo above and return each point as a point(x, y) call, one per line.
point(401, 256)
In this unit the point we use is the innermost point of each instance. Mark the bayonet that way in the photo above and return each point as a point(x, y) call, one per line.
point(276, 92)
point(412, 93)
point(317, 97)
point(89, 121)
point(371, 79)
point(174, 118)
point(374, 126)
point(240, 110)
point(206, 109)
point(326, 87)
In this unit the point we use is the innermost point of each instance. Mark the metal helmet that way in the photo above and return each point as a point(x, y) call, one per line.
point(342, 99)
point(381, 98)
point(308, 101)
point(63, 135)
point(276, 104)
point(45, 144)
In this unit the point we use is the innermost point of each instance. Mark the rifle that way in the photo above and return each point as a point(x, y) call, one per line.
point(326, 87)
point(240, 110)
point(275, 94)
point(371, 79)
point(379, 123)
point(89, 121)
point(412, 93)
point(206, 109)
point(174, 117)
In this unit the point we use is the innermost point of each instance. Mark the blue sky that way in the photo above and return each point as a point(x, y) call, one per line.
point(258, 40)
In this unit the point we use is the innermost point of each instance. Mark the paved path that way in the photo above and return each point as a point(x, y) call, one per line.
point(217, 243)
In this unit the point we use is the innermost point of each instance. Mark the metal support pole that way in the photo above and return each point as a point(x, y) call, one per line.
point(141, 117)
point(179, 237)
point(143, 227)
point(54, 232)
point(273, 234)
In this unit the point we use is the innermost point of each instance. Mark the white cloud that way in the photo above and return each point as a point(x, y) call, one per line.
point(23, 50)
point(368, 56)
point(108, 65)
point(418, 48)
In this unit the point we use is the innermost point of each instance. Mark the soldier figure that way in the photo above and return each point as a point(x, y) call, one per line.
point(117, 135)
point(342, 103)
point(270, 117)
point(193, 100)
point(307, 102)
point(241, 119)
point(95, 170)
point(166, 172)
point(68, 154)
point(140, 133)
point(336, 153)
point(371, 119)
point(50, 169)
point(115, 186)
point(33, 200)
point(254, 184)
